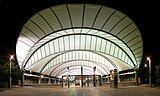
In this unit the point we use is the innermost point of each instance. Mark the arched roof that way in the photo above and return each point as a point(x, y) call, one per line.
point(65, 35)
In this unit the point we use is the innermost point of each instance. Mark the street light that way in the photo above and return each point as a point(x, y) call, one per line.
point(10, 77)
point(149, 61)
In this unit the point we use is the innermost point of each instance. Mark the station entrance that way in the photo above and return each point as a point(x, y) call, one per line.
point(79, 43)
point(81, 80)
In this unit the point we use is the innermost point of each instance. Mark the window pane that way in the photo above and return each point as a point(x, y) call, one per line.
point(39, 54)
point(66, 41)
point(77, 41)
point(61, 44)
point(119, 53)
point(112, 49)
point(51, 47)
point(108, 47)
point(32, 59)
point(35, 56)
point(103, 45)
point(126, 58)
point(77, 54)
point(70, 56)
point(93, 43)
point(47, 49)
point(98, 44)
point(80, 55)
point(82, 41)
point(56, 46)
point(116, 51)
point(88, 41)
point(43, 52)
point(123, 56)
point(71, 39)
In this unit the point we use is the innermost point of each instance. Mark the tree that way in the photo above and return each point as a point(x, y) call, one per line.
point(4, 72)
point(157, 75)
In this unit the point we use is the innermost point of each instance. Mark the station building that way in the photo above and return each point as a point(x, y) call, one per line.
point(79, 45)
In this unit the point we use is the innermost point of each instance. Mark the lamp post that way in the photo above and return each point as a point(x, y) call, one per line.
point(10, 73)
point(149, 61)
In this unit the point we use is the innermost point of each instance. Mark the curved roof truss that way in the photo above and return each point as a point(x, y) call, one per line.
point(62, 28)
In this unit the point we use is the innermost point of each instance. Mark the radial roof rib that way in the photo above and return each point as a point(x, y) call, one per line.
point(80, 27)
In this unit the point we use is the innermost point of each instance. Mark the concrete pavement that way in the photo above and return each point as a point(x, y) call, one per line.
point(85, 91)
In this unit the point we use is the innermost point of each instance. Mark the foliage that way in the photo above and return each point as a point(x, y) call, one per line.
point(157, 75)
point(4, 72)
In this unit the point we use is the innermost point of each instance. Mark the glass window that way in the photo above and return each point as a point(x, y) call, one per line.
point(98, 44)
point(129, 62)
point(61, 44)
point(93, 43)
point(90, 56)
point(116, 51)
point(77, 54)
point(108, 47)
point(88, 41)
point(35, 56)
point(63, 57)
point(71, 39)
point(51, 47)
point(66, 42)
point(59, 59)
point(70, 55)
point(77, 41)
point(81, 55)
point(120, 54)
point(103, 45)
point(112, 47)
point(123, 56)
point(126, 59)
point(56, 45)
point(87, 56)
point(84, 56)
point(39, 54)
point(47, 49)
point(43, 52)
point(82, 41)
point(32, 59)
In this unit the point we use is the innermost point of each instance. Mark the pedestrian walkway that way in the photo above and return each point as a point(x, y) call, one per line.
point(85, 91)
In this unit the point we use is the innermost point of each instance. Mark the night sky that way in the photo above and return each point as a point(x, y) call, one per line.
point(14, 14)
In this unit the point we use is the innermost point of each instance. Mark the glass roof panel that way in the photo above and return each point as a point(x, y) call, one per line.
point(99, 28)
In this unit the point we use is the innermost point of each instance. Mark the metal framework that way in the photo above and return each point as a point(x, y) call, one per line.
point(84, 32)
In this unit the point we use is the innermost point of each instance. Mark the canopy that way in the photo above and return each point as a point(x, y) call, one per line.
point(61, 39)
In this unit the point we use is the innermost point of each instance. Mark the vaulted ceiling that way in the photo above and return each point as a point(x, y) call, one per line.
point(75, 35)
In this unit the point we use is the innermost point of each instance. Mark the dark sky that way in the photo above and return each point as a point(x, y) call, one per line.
point(145, 13)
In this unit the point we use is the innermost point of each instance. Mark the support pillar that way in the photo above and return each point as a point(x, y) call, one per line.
point(49, 80)
point(39, 81)
point(100, 81)
point(82, 76)
point(87, 80)
point(68, 76)
point(94, 77)
point(22, 81)
point(113, 79)
point(108, 79)
point(68, 81)
point(136, 77)
point(118, 78)
point(62, 81)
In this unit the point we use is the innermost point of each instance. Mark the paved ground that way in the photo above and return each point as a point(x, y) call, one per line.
point(78, 91)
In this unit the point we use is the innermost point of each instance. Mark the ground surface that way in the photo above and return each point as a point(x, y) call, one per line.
point(85, 91)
